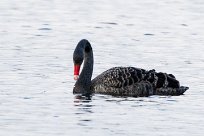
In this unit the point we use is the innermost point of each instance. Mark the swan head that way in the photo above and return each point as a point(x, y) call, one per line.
point(78, 57)
point(82, 48)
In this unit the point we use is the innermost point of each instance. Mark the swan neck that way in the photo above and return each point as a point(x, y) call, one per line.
point(87, 70)
point(84, 81)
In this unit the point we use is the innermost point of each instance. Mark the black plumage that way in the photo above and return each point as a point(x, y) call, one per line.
point(122, 81)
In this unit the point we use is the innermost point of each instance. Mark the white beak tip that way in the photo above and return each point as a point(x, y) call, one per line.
point(76, 77)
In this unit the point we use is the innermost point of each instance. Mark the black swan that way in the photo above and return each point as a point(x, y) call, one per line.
point(120, 81)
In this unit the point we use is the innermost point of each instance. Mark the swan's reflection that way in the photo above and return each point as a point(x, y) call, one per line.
point(84, 110)
point(84, 98)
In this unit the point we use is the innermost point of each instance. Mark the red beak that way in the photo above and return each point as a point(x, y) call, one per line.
point(76, 71)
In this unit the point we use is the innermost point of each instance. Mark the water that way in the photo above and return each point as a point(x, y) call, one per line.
point(36, 46)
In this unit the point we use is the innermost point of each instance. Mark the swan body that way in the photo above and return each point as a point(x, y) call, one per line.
point(120, 81)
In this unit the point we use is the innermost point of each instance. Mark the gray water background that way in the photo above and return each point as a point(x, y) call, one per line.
point(37, 39)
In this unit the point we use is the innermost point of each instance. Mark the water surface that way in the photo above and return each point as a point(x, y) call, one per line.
point(36, 46)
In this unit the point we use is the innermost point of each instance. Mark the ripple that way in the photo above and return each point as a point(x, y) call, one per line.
point(188, 62)
point(109, 23)
point(27, 97)
point(45, 29)
point(129, 24)
point(149, 34)
point(98, 27)
point(85, 120)
point(184, 24)
point(39, 35)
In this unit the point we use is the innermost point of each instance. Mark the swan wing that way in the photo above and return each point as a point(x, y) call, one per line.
point(119, 77)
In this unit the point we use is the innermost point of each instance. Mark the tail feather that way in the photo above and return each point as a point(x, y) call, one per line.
point(171, 91)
